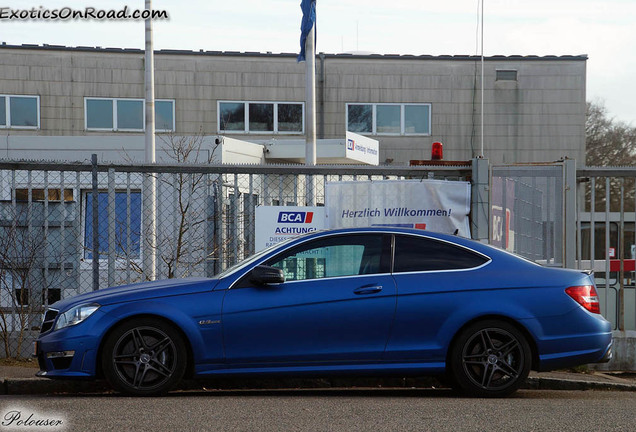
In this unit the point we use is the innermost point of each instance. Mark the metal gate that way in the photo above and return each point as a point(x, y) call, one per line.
point(529, 207)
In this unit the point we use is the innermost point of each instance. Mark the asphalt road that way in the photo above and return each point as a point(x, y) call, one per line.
point(327, 410)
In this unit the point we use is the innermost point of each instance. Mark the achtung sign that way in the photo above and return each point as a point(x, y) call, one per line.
point(277, 223)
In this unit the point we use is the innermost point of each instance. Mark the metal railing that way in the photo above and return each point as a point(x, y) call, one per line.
point(606, 238)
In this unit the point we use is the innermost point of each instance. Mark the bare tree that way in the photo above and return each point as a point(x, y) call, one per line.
point(183, 248)
point(609, 143)
point(186, 250)
point(21, 282)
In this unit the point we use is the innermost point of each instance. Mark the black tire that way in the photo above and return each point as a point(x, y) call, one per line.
point(490, 359)
point(144, 357)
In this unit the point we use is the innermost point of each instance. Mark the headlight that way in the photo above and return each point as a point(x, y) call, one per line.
point(75, 315)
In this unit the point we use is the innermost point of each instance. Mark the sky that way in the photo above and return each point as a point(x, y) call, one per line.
point(604, 30)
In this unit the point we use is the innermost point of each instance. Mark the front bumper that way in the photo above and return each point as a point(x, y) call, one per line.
point(67, 353)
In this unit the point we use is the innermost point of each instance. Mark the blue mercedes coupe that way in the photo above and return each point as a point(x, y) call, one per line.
point(366, 301)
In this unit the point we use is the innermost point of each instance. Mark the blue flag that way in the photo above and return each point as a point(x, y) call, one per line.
point(309, 19)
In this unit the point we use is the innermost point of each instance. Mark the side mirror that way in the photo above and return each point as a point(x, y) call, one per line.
point(266, 275)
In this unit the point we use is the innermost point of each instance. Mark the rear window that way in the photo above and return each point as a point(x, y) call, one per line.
point(424, 254)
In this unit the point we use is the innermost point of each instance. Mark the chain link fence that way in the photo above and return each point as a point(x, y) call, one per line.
point(528, 211)
point(70, 228)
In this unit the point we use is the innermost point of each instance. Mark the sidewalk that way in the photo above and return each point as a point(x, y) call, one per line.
point(16, 380)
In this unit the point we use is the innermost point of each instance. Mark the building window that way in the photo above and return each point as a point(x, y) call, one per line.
point(389, 119)
point(23, 296)
point(164, 115)
point(19, 112)
point(261, 117)
point(417, 120)
point(99, 114)
point(127, 224)
point(290, 117)
point(130, 115)
point(506, 75)
point(114, 114)
point(360, 118)
point(37, 194)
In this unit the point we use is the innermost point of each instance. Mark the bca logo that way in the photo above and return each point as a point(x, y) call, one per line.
point(295, 217)
point(351, 145)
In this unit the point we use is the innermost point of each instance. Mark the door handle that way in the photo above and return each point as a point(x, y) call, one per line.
point(368, 289)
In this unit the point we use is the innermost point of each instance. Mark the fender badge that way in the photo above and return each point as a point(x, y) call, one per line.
point(208, 322)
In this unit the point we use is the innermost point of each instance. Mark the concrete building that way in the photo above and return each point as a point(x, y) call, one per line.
point(534, 106)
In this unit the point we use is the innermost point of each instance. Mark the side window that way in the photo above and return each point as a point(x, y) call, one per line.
point(424, 254)
point(347, 255)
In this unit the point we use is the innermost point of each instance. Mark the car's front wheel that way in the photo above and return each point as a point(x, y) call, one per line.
point(490, 359)
point(144, 356)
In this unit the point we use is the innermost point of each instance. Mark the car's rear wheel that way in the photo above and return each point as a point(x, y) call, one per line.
point(490, 359)
point(144, 356)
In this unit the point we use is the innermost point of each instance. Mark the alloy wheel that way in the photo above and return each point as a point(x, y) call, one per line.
point(144, 358)
point(493, 359)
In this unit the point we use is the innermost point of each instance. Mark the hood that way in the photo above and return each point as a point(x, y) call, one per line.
point(139, 291)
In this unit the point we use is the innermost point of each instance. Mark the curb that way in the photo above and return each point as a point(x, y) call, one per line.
point(36, 386)
point(542, 383)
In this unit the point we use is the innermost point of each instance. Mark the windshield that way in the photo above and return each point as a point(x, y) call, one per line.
point(249, 260)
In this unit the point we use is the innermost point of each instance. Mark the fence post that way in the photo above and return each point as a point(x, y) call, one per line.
point(216, 218)
point(480, 205)
point(95, 223)
point(112, 244)
point(569, 216)
point(210, 231)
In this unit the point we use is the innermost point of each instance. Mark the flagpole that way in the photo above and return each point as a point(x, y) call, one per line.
point(310, 103)
point(310, 98)
point(308, 55)
point(149, 181)
point(481, 150)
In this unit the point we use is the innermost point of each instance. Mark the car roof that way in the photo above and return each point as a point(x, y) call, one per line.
point(397, 230)
point(484, 249)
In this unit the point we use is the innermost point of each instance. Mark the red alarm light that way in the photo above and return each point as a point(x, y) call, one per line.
point(437, 151)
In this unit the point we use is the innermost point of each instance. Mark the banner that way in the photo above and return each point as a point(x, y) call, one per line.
point(434, 205)
point(277, 223)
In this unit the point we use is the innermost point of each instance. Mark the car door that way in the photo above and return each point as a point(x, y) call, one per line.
point(434, 278)
point(336, 305)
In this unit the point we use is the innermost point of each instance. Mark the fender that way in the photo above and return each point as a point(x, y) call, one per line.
point(205, 339)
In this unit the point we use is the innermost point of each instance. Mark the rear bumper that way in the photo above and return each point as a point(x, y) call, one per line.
point(609, 354)
point(574, 339)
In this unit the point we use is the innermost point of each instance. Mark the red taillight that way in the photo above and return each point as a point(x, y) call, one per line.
point(586, 296)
